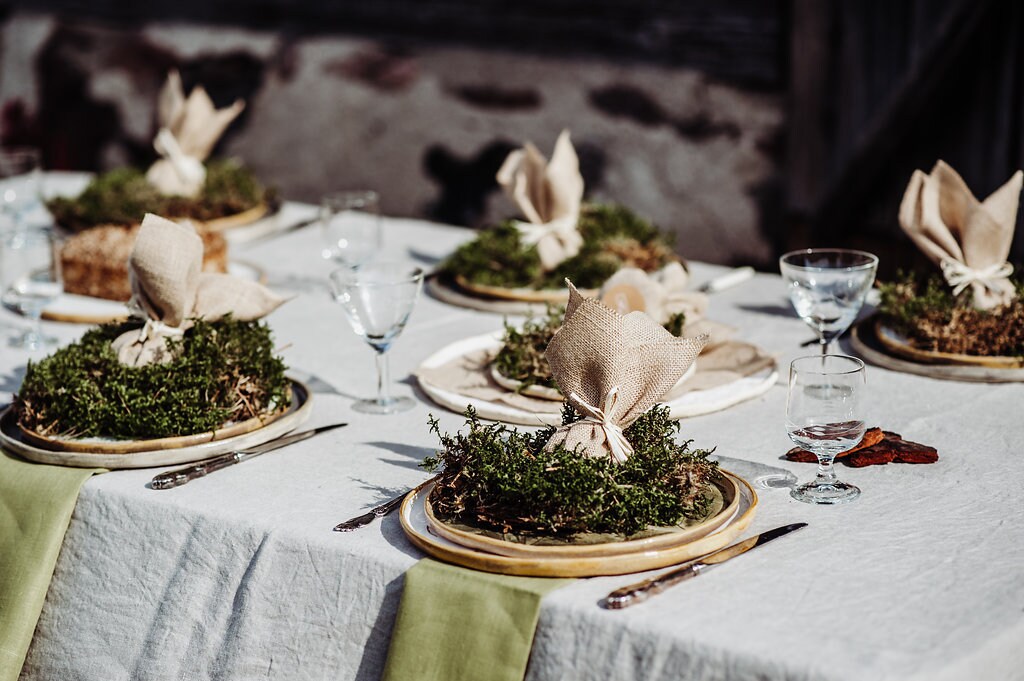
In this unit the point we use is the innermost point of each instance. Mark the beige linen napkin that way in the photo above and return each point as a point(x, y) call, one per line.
point(169, 289)
point(660, 294)
point(189, 128)
point(549, 196)
point(968, 239)
point(612, 368)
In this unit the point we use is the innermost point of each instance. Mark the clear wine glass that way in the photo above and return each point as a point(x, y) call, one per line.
point(378, 298)
point(823, 416)
point(827, 287)
point(20, 184)
point(31, 279)
point(350, 223)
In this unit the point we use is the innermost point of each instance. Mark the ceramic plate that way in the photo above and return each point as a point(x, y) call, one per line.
point(78, 309)
point(12, 438)
point(693, 403)
point(545, 393)
point(414, 523)
point(724, 510)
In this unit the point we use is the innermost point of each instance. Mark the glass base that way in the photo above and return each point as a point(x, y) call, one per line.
point(393, 405)
point(30, 340)
point(823, 493)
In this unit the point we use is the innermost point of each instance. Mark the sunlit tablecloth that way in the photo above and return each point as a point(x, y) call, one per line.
point(238, 576)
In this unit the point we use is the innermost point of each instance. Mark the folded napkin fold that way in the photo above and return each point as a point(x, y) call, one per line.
point(612, 368)
point(549, 196)
point(456, 624)
point(189, 129)
point(969, 240)
point(660, 294)
point(36, 502)
point(169, 290)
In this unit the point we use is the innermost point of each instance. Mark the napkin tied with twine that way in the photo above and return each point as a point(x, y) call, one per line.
point(969, 240)
point(169, 290)
point(189, 129)
point(549, 196)
point(612, 368)
point(660, 294)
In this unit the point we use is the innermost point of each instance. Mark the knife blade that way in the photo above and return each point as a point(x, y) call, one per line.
point(641, 591)
point(728, 280)
point(180, 476)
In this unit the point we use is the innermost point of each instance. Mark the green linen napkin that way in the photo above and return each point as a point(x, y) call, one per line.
point(456, 624)
point(36, 502)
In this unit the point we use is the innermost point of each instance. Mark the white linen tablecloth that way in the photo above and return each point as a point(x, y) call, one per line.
point(238, 576)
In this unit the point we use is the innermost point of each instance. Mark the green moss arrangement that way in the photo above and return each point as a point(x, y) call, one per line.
point(614, 237)
point(499, 479)
point(932, 318)
point(521, 357)
point(123, 197)
point(222, 371)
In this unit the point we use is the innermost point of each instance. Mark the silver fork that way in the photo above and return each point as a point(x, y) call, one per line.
point(378, 511)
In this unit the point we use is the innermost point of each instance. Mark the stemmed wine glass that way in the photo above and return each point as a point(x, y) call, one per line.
point(350, 223)
point(823, 416)
point(378, 298)
point(21, 184)
point(827, 287)
point(31, 279)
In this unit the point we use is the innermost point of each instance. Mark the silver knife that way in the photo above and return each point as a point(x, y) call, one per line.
point(180, 476)
point(727, 280)
point(641, 591)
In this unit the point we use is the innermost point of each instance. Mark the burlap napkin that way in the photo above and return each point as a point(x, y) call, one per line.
point(612, 368)
point(169, 290)
point(189, 128)
point(660, 294)
point(968, 239)
point(549, 196)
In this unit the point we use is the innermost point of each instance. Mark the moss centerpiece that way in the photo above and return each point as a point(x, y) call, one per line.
point(221, 372)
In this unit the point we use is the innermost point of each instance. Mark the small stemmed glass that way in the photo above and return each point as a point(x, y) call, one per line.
point(827, 287)
point(31, 278)
point(378, 298)
point(20, 184)
point(823, 416)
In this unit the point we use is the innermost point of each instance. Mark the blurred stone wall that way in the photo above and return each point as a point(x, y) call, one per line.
point(425, 123)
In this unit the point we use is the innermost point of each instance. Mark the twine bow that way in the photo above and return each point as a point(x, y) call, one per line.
point(960, 276)
point(618, 445)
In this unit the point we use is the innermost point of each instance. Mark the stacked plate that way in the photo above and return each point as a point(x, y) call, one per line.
point(463, 546)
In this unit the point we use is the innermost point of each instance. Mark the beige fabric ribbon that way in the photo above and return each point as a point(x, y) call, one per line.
point(625, 363)
point(549, 196)
point(169, 290)
point(969, 240)
point(660, 294)
point(189, 129)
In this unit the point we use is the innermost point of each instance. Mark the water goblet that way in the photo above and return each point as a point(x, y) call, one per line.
point(827, 287)
point(20, 184)
point(378, 298)
point(30, 278)
point(823, 416)
point(350, 223)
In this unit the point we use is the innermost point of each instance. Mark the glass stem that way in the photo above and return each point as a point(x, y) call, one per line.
point(824, 345)
point(826, 470)
point(383, 378)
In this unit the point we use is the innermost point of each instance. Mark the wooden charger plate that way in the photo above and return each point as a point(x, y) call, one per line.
point(415, 525)
point(246, 217)
point(158, 452)
point(899, 345)
point(554, 296)
point(724, 510)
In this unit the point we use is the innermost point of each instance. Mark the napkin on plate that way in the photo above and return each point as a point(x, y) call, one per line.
point(169, 290)
point(612, 368)
point(660, 294)
point(189, 128)
point(968, 239)
point(549, 196)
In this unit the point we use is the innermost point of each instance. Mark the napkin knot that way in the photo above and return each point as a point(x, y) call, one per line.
point(960, 276)
point(189, 170)
point(613, 433)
